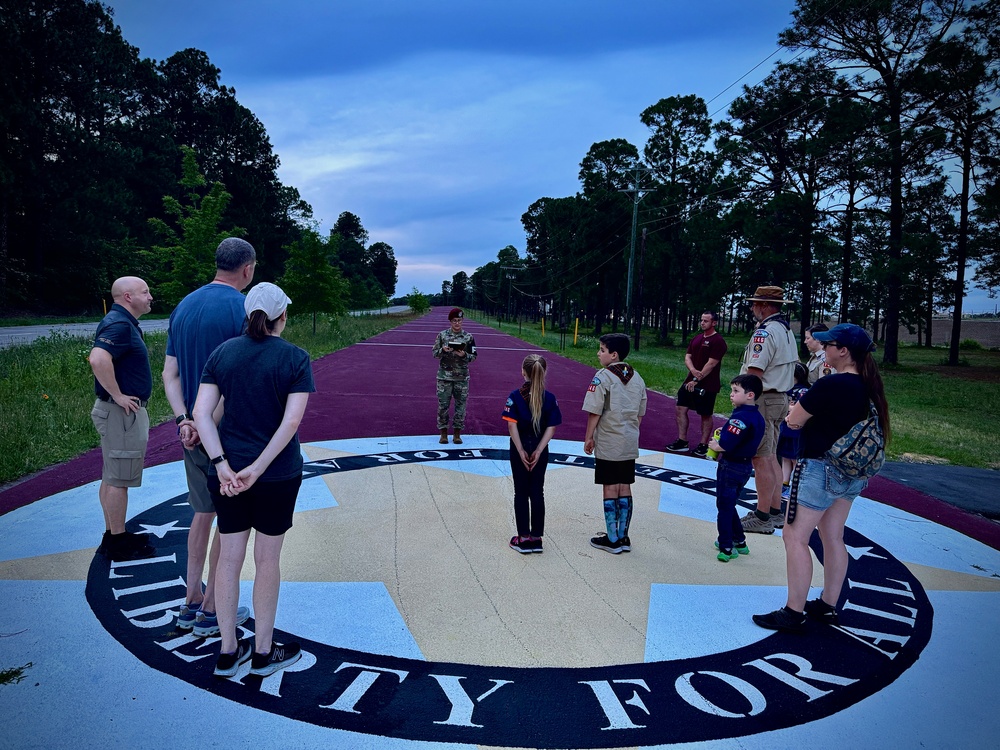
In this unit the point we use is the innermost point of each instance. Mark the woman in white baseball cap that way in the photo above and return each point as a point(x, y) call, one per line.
point(265, 384)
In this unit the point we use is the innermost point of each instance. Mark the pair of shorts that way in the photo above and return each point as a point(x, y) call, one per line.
point(774, 409)
point(196, 466)
point(789, 442)
point(614, 472)
point(267, 507)
point(817, 484)
point(703, 405)
point(123, 442)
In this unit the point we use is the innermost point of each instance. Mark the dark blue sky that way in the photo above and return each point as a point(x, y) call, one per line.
point(440, 123)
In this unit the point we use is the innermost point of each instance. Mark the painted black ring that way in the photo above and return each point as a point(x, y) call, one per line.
point(780, 681)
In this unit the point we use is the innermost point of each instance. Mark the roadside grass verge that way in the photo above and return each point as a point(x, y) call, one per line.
point(939, 413)
point(46, 388)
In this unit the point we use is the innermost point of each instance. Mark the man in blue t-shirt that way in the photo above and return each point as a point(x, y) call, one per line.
point(123, 384)
point(204, 319)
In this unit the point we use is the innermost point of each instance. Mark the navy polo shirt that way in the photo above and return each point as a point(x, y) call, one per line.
point(119, 335)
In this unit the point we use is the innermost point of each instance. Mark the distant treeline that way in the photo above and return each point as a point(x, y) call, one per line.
point(92, 142)
point(861, 175)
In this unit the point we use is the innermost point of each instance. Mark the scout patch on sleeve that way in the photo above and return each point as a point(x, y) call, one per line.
point(593, 384)
point(758, 348)
point(735, 426)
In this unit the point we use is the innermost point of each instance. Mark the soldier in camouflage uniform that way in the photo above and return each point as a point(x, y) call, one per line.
point(456, 349)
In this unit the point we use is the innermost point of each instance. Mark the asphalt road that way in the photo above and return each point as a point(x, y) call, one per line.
point(26, 334)
point(14, 335)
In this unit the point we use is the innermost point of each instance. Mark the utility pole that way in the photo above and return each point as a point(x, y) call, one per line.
point(638, 320)
point(638, 194)
point(510, 283)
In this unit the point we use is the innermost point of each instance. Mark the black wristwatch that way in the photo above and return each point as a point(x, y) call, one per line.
point(182, 418)
point(218, 459)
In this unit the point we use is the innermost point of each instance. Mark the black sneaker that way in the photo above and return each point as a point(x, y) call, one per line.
point(229, 664)
point(280, 656)
point(702, 450)
point(601, 541)
point(820, 611)
point(107, 541)
point(678, 446)
point(125, 547)
point(626, 544)
point(522, 544)
point(536, 545)
point(784, 619)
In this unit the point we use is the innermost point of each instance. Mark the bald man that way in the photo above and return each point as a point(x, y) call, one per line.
point(123, 384)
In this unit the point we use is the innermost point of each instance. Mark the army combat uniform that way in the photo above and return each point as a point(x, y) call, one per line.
point(453, 375)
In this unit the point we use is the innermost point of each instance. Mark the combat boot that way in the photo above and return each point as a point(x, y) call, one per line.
point(458, 436)
point(444, 435)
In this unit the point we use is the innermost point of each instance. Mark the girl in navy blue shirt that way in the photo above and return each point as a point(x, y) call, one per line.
point(531, 414)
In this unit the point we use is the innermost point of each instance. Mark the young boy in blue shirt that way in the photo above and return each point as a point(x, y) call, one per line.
point(737, 444)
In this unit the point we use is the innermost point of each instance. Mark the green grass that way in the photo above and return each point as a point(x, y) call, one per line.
point(938, 413)
point(46, 388)
point(10, 322)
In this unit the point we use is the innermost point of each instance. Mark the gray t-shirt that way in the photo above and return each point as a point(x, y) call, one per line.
point(255, 378)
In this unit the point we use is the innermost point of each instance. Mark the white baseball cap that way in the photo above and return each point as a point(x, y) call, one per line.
point(267, 297)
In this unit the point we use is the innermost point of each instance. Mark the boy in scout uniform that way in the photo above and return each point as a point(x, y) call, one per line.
point(615, 403)
point(456, 349)
point(771, 355)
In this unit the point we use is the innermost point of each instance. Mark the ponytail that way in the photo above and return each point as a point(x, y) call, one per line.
point(870, 374)
point(534, 367)
point(258, 326)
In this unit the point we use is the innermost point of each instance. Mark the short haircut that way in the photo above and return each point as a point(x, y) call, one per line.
point(616, 343)
point(234, 253)
point(749, 383)
point(817, 327)
point(715, 315)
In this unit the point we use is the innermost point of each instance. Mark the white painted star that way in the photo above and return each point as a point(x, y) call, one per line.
point(161, 531)
point(858, 552)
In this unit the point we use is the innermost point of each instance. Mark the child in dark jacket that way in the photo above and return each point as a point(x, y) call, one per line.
point(532, 414)
point(789, 440)
point(737, 444)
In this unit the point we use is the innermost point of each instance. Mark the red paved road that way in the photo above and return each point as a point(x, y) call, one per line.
point(385, 387)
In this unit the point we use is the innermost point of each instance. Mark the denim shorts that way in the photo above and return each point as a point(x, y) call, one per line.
point(816, 484)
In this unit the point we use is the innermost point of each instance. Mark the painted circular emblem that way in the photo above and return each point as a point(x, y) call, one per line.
point(779, 681)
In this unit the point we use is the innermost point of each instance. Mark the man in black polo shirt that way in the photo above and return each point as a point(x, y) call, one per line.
point(123, 384)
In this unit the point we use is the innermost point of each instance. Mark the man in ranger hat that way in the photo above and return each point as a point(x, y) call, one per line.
point(456, 349)
point(771, 355)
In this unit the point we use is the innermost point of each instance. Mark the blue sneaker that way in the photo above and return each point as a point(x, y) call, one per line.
point(187, 616)
point(207, 623)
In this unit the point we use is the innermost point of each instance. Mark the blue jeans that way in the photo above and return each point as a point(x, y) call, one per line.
point(730, 479)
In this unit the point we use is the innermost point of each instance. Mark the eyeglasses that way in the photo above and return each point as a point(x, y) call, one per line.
point(830, 343)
